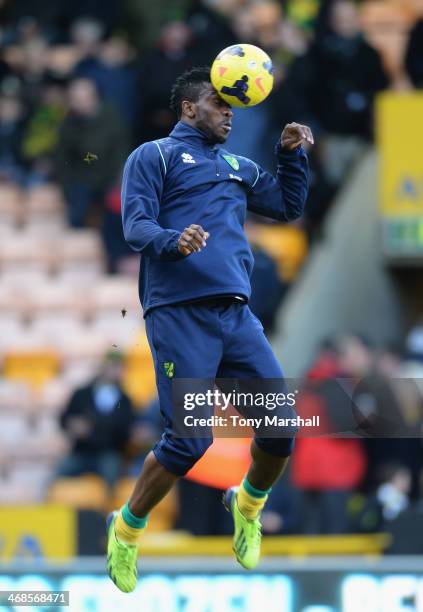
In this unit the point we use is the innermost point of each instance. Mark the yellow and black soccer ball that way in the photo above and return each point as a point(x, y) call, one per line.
point(242, 75)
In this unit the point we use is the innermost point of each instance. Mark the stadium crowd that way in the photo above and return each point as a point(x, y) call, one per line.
point(83, 83)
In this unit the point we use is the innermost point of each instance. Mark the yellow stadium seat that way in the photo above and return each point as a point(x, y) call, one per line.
point(162, 518)
point(88, 492)
point(287, 244)
point(33, 367)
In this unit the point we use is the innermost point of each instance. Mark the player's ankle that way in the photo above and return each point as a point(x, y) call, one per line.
point(129, 527)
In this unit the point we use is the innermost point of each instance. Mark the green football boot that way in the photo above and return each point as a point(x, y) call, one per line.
point(247, 536)
point(121, 559)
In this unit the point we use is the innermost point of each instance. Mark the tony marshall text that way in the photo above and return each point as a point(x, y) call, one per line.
point(236, 420)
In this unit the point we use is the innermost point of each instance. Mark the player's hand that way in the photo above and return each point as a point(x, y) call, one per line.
point(192, 240)
point(295, 134)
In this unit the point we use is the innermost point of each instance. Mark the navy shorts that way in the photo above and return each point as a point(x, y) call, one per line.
point(216, 338)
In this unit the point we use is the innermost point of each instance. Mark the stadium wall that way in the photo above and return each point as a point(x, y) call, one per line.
point(345, 286)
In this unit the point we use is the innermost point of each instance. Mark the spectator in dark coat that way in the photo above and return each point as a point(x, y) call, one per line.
point(414, 55)
point(115, 74)
point(11, 134)
point(346, 74)
point(98, 421)
point(91, 150)
point(170, 57)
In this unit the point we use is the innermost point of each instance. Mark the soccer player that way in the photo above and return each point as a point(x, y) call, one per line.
point(184, 202)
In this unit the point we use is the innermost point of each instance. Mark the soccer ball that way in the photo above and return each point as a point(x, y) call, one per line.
point(242, 75)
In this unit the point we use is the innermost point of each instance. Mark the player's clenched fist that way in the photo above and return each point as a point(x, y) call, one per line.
point(295, 134)
point(192, 239)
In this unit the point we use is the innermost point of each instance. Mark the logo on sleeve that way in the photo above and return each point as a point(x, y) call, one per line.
point(232, 161)
point(187, 158)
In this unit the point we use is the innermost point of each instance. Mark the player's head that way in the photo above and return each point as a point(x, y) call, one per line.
point(196, 102)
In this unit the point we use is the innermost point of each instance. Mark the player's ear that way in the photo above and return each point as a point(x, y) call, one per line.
point(188, 108)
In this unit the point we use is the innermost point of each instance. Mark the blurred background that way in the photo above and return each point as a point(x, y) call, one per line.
point(339, 293)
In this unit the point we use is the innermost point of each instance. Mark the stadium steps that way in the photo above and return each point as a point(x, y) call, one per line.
point(344, 285)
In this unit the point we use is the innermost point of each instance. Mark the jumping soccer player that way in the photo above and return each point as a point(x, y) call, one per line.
point(184, 202)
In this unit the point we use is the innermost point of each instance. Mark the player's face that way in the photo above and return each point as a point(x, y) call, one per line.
point(213, 115)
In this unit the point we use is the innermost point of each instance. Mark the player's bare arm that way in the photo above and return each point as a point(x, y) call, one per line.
point(295, 134)
point(192, 239)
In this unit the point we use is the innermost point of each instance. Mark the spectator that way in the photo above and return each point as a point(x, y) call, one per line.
point(56, 17)
point(32, 68)
point(326, 470)
point(98, 421)
point(303, 14)
point(414, 55)
point(389, 501)
point(86, 34)
point(42, 130)
point(212, 28)
point(335, 83)
point(12, 117)
point(112, 69)
point(393, 492)
point(383, 407)
point(91, 151)
point(170, 56)
point(350, 73)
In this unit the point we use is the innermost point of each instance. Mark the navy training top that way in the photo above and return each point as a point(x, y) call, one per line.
point(169, 184)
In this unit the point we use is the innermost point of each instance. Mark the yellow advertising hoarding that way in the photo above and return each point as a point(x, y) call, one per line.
point(399, 131)
point(400, 142)
point(47, 531)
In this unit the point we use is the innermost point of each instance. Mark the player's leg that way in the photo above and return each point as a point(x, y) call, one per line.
point(155, 483)
point(184, 344)
point(249, 356)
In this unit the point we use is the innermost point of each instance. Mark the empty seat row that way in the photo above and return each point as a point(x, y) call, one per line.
point(26, 479)
point(117, 295)
point(50, 250)
point(76, 363)
point(24, 437)
point(54, 329)
point(40, 203)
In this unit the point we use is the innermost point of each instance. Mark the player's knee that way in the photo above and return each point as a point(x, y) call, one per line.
point(179, 455)
point(279, 447)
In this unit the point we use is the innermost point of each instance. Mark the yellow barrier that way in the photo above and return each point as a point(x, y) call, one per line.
point(175, 544)
point(43, 530)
